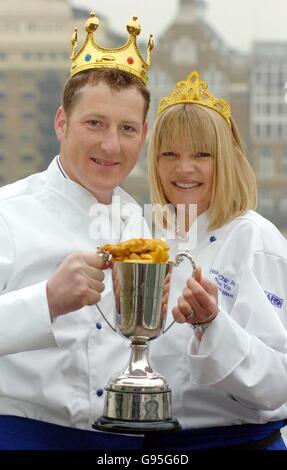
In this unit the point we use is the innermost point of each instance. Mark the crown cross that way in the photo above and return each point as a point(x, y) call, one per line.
point(127, 57)
point(194, 90)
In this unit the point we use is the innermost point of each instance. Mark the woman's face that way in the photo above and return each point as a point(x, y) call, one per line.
point(186, 176)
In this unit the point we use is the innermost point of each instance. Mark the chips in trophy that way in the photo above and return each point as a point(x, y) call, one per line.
point(138, 399)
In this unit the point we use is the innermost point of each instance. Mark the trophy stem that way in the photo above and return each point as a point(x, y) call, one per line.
point(138, 364)
point(138, 400)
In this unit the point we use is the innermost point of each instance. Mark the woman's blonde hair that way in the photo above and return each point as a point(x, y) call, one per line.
point(203, 129)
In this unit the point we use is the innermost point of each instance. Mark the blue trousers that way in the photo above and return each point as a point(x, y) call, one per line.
point(17, 433)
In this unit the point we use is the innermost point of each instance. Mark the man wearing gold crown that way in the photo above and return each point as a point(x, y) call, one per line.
point(54, 349)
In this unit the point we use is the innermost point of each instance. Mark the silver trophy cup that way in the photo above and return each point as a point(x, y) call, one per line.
point(138, 399)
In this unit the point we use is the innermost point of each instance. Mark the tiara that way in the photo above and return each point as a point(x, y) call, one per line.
point(194, 90)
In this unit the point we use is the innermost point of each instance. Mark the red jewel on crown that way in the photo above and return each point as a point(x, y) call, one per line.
point(130, 60)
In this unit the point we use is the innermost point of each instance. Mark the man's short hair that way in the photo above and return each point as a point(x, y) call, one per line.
point(116, 79)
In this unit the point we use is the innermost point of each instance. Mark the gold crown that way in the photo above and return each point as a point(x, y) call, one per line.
point(194, 90)
point(127, 57)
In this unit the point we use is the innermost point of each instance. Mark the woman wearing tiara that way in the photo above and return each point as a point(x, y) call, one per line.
point(226, 356)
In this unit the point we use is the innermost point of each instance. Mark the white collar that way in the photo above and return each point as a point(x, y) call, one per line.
point(60, 181)
point(61, 167)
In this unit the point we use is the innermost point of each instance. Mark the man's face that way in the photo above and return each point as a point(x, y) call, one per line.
point(102, 138)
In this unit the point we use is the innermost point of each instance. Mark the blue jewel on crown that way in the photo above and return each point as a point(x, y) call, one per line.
point(88, 58)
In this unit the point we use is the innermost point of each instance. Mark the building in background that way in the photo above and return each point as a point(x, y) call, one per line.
point(268, 112)
point(33, 67)
point(34, 64)
point(189, 44)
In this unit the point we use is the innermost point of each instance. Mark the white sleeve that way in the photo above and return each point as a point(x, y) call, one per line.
point(244, 352)
point(25, 322)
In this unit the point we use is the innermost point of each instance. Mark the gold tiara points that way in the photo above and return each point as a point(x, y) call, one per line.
point(194, 90)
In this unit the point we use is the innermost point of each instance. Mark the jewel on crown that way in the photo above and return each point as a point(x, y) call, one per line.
point(126, 57)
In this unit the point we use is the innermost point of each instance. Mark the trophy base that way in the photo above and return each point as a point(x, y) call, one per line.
point(136, 427)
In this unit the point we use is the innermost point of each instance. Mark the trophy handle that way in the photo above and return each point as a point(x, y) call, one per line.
point(185, 254)
point(105, 318)
point(179, 259)
point(107, 257)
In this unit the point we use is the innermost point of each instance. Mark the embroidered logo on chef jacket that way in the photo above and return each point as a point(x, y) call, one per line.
point(225, 285)
point(274, 299)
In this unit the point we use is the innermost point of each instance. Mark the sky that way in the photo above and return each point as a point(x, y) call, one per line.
point(238, 22)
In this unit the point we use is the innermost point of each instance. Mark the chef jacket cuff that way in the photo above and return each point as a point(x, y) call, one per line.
point(25, 320)
point(223, 346)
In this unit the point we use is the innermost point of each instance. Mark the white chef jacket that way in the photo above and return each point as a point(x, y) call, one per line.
point(237, 373)
point(53, 372)
point(57, 372)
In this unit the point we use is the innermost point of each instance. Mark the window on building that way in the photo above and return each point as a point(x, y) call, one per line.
point(27, 115)
point(184, 52)
point(27, 137)
point(261, 131)
point(27, 76)
point(274, 131)
point(284, 161)
point(281, 79)
point(28, 55)
point(266, 162)
point(52, 55)
point(28, 95)
point(268, 130)
point(265, 202)
point(283, 203)
point(27, 158)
